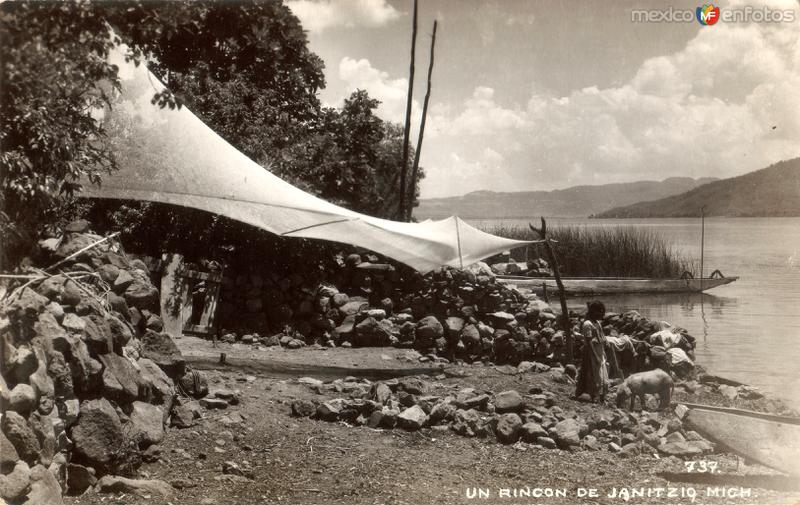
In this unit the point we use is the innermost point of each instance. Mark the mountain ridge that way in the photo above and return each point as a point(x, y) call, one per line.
point(773, 191)
point(576, 201)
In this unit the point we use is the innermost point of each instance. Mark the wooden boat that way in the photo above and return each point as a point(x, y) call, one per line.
point(771, 440)
point(615, 285)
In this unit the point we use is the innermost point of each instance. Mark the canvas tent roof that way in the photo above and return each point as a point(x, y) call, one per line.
point(171, 156)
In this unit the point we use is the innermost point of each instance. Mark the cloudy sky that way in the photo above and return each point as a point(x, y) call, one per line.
point(535, 95)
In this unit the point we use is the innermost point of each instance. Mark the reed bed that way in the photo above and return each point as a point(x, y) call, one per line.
point(614, 251)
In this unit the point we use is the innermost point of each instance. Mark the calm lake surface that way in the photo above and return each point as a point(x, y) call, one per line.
point(747, 331)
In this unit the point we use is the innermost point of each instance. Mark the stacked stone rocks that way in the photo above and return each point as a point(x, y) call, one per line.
point(86, 386)
point(508, 416)
point(456, 314)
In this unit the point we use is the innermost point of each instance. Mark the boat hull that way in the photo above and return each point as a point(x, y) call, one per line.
point(773, 441)
point(607, 285)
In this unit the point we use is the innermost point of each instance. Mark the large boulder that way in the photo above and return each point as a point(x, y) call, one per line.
point(97, 335)
point(160, 348)
point(24, 363)
point(467, 423)
point(27, 306)
point(22, 399)
point(157, 387)
point(16, 483)
point(146, 424)
point(44, 488)
point(50, 332)
point(97, 435)
point(19, 432)
point(120, 378)
point(371, 333)
point(8, 454)
point(141, 293)
point(86, 371)
point(428, 330)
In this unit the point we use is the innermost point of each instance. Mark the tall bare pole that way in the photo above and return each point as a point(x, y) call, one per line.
point(415, 167)
point(551, 257)
point(407, 129)
point(702, 241)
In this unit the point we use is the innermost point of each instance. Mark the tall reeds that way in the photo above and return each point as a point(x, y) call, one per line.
point(614, 251)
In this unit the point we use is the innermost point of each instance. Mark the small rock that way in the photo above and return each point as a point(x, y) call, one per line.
point(303, 408)
point(310, 381)
point(568, 433)
point(680, 449)
point(116, 484)
point(330, 410)
point(508, 401)
point(79, 478)
point(413, 385)
point(509, 428)
point(531, 432)
point(413, 418)
point(213, 403)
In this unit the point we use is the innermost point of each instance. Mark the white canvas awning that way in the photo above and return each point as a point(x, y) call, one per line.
point(171, 156)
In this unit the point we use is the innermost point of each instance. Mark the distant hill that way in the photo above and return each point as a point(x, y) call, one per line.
point(577, 201)
point(770, 192)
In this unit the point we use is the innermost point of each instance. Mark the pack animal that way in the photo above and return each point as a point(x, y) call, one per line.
point(639, 384)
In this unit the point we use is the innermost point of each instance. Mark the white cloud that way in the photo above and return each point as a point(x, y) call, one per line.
point(392, 93)
point(319, 15)
point(706, 110)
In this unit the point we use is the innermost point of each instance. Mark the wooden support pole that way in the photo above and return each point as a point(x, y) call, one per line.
point(551, 257)
point(407, 129)
point(415, 167)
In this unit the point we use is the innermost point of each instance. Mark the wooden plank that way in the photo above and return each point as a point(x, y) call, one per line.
point(171, 293)
point(186, 299)
point(210, 312)
point(203, 276)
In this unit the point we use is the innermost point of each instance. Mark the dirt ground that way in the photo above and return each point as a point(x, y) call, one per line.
point(306, 461)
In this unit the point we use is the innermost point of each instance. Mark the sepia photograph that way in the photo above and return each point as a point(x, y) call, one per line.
point(399, 252)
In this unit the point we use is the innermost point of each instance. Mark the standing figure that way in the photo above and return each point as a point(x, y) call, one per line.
point(593, 375)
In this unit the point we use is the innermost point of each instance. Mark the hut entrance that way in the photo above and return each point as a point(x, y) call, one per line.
point(188, 298)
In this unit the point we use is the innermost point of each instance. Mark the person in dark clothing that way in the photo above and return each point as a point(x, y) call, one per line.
point(593, 374)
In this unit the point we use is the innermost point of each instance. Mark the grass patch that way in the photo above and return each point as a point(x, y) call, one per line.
point(614, 251)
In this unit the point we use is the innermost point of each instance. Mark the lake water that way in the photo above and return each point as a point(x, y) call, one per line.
point(747, 331)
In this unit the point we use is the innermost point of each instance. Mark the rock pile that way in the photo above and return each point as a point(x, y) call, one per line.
point(457, 314)
point(87, 379)
point(534, 418)
point(655, 343)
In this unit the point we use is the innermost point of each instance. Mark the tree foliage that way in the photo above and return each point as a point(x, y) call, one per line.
point(243, 67)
